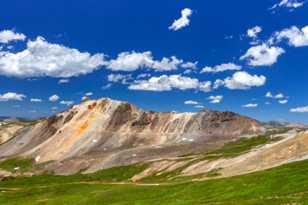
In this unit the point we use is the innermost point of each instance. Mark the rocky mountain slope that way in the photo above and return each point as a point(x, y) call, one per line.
point(104, 133)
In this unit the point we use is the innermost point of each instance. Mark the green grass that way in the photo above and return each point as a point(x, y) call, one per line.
point(116, 174)
point(283, 185)
point(229, 150)
point(239, 147)
point(213, 173)
point(23, 164)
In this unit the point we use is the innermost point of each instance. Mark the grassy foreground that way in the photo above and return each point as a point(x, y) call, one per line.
point(286, 185)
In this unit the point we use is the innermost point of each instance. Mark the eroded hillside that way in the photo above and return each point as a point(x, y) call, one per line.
point(106, 133)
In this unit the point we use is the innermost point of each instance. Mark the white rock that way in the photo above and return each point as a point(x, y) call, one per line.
point(37, 159)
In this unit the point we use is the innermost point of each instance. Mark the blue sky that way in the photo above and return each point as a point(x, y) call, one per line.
point(135, 51)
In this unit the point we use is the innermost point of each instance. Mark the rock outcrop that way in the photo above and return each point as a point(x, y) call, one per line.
point(105, 133)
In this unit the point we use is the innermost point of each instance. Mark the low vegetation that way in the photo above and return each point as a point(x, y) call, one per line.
point(241, 146)
point(17, 165)
point(287, 184)
point(112, 175)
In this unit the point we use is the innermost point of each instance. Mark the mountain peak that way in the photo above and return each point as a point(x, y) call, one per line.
point(108, 126)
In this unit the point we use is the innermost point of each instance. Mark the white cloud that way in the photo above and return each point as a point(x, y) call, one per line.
point(118, 78)
point(183, 21)
point(165, 83)
point(67, 103)
point(292, 4)
point(36, 100)
point(296, 37)
point(167, 64)
point(269, 95)
point(41, 58)
point(8, 35)
point(12, 96)
point(54, 98)
point(218, 83)
point(277, 96)
point(221, 68)
point(107, 86)
point(241, 81)
point(205, 86)
point(131, 61)
point(143, 75)
point(84, 98)
point(63, 81)
point(262, 55)
point(199, 106)
point(187, 71)
point(89, 94)
point(250, 105)
point(253, 32)
point(215, 99)
point(190, 65)
point(300, 109)
point(191, 102)
point(283, 101)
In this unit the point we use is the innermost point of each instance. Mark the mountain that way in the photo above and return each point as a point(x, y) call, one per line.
point(108, 147)
point(277, 124)
point(99, 134)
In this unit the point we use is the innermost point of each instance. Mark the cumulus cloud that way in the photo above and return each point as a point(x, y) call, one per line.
point(296, 37)
point(131, 61)
point(143, 75)
point(300, 109)
point(167, 64)
point(107, 86)
point(7, 36)
point(63, 81)
point(10, 96)
point(262, 55)
point(253, 32)
point(199, 106)
point(250, 105)
point(118, 78)
point(85, 97)
point(283, 101)
point(42, 58)
point(291, 4)
point(165, 83)
point(191, 102)
point(36, 100)
point(215, 99)
point(205, 86)
point(54, 98)
point(221, 68)
point(183, 21)
point(67, 103)
point(89, 94)
point(190, 65)
point(241, 81)
point(277, 96)
point(218, 83)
